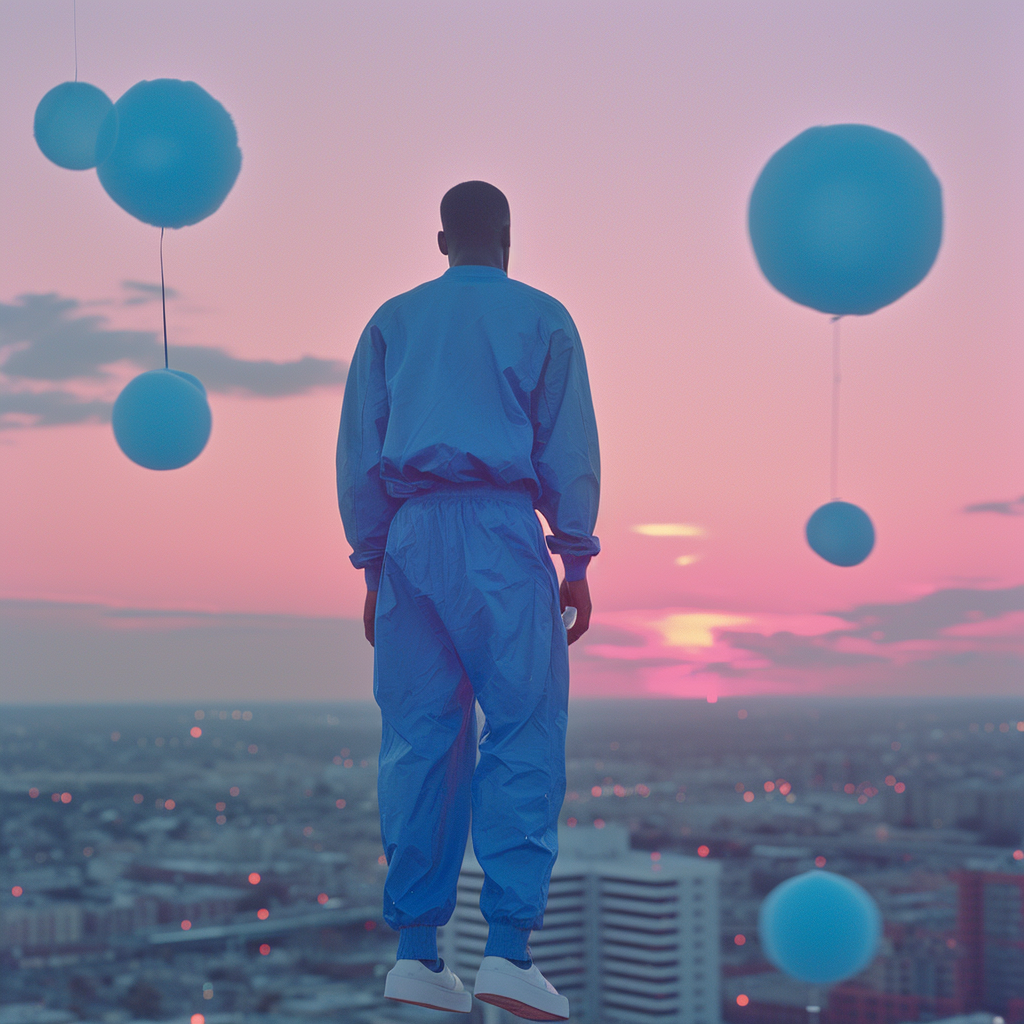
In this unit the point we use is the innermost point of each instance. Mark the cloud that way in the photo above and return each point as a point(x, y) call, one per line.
point(141, 292)
point(924, 618)
point(669, 530)
point(46, 340)
point(72, 653)
point(1014, 507)
point(50, 409)
point(792, 651)
point(961, 639)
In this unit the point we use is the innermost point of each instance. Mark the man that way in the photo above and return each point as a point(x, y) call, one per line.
point(467, 407)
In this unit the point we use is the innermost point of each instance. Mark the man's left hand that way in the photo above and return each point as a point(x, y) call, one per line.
point(369, 611)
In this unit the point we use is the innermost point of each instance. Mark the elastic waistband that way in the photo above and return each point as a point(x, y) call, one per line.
point(474, 489)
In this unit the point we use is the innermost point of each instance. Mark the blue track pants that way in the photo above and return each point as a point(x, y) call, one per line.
point(467, 611)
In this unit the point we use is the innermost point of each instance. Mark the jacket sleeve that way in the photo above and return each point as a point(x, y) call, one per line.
point(366, 507)
point(565, 452)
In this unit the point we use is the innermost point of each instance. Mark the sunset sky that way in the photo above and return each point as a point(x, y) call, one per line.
point(627, 137)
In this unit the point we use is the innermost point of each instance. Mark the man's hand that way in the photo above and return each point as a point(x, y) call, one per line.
point(576, 594)
point(369, 611)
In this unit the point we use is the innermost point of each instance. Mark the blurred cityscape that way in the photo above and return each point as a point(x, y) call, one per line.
point(223, 864)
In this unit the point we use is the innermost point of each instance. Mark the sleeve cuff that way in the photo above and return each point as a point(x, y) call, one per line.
point(575, 566)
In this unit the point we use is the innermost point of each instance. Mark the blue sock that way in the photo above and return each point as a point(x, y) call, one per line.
point(437, 966)
point(524, 964)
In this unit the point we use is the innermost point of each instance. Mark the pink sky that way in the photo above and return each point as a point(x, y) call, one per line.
point(627, 138)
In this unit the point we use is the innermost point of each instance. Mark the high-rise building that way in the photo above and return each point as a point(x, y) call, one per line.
point(628, 937)
point(990, 925)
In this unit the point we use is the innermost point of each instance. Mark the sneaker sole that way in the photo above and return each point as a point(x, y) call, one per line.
point(419, 993)
point(519, 997)
point(517, 1008)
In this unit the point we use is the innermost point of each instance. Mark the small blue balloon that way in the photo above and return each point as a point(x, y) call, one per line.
point(841, 533)
point(176, 156)
point(161, 420)
point(67, 125)
point(819, 927)
point(846, 218)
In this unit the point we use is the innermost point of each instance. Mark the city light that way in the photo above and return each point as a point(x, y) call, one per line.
point(234, 791)
point(595, 790)
point(322, 898)
point(197, 1018)
point(703, 851)
point(65, 798)
point(33, 792)
point(740, 940)
point(742, 1000)
point(890, 780)
point(16, 890)
point(748, 797)
point(138, 798)
point(265, 949)
point(185, 925)
point(899, 787)
point(1018, 854)
point(599, 823)
point(195, 732)
point(263, 913)
point(819, 861)
point(340, 804)
point(254, 878)
point(169, 805)
point(571, 822)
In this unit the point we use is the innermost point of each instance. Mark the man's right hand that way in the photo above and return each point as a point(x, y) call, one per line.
point(576, 594)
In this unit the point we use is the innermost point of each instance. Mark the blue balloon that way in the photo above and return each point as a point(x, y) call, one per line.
point(819, 927)
point(176, 155)
point(846, 218)
point(161, 420)
point(193, 380)
point(67, 125)
point(841, 533)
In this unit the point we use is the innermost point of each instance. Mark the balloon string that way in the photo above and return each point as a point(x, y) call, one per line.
point(163, 295)
point(836, 380)
point(74, 15)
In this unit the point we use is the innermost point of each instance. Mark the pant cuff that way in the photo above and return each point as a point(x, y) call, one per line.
point(418, 942)
point(507, 941)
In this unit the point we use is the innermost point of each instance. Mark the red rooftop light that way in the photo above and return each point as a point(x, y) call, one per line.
point(195, 732)
point(703, 851)
point(254, 878)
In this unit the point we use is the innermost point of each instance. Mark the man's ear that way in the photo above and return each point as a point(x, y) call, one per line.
point(442, 244)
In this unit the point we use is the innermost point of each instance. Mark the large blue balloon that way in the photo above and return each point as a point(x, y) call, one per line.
point(67, 125)
point(841, 533)
point(819, 927)
point(176, 155)
point(846, 218)
point(161, 420)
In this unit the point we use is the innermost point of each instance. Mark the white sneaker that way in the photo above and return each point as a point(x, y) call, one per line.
point(526, 994)
point(409, 981)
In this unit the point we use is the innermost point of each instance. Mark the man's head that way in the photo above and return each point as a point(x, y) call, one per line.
point(475, 225)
